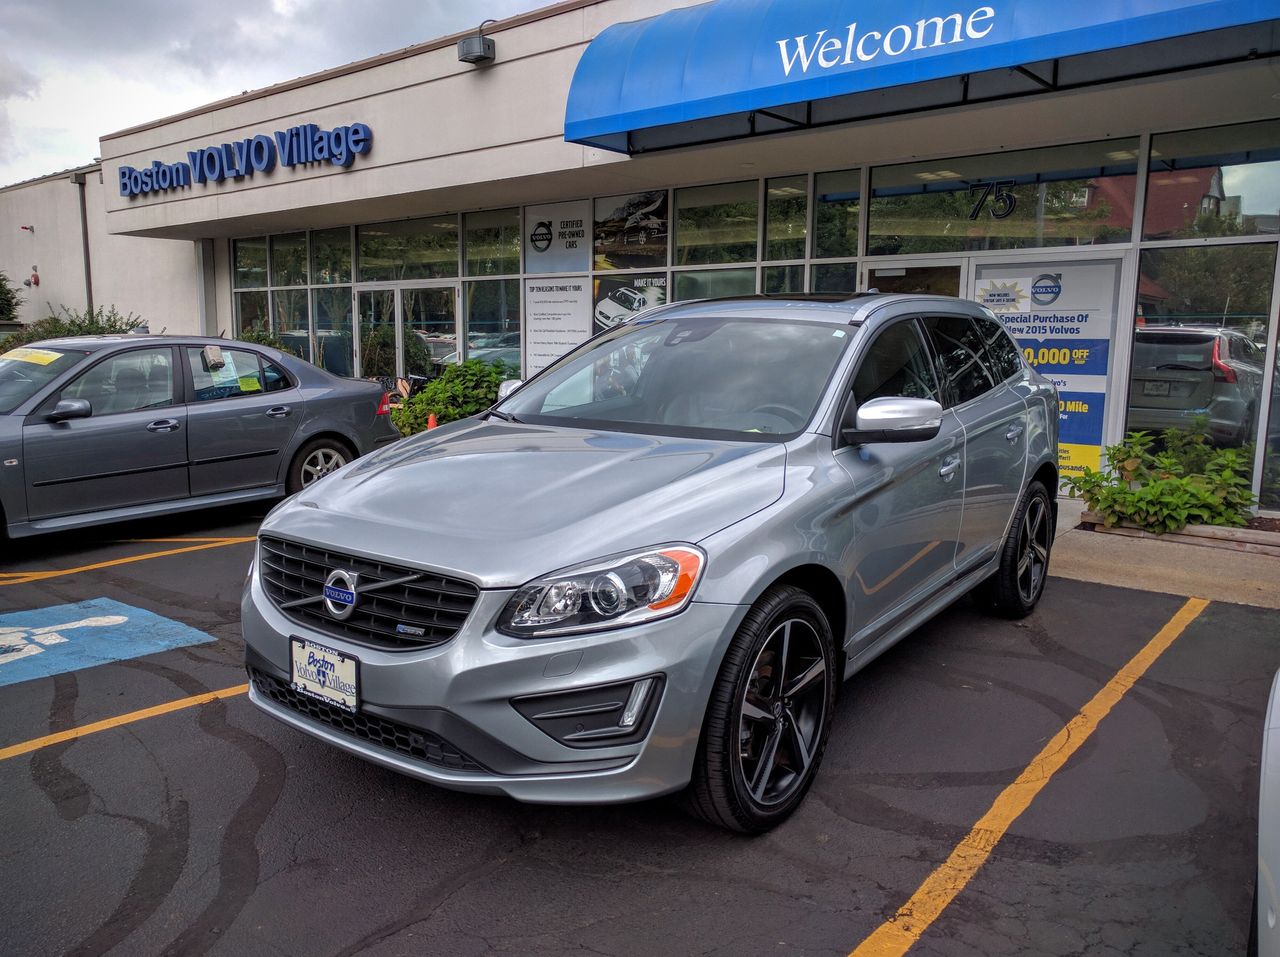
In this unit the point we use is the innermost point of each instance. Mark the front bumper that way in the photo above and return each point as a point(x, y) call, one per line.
point(444, 714)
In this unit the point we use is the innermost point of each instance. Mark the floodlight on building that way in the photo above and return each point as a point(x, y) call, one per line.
point(478, 49)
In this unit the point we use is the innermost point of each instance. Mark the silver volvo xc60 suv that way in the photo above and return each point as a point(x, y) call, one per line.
point(648, 569)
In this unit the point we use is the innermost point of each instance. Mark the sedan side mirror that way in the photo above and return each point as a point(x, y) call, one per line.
point(895, 419)
point(70, 409)
point(508, 386)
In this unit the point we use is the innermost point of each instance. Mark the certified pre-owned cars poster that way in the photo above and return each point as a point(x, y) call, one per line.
point(621, 297)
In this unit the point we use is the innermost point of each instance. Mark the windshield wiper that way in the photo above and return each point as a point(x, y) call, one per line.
point(504, 416)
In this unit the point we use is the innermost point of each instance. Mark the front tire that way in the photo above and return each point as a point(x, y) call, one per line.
point(1015, 589)
point(314, 461)
point(768, 716)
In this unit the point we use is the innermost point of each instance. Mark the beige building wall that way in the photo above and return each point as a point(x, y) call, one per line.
point(153, 278)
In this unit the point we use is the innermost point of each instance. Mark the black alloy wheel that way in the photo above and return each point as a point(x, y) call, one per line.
point(768, 716)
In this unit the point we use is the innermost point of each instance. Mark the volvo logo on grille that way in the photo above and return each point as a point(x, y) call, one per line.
point(340, 593)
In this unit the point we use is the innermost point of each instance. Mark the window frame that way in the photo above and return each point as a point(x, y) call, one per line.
point(846, 396)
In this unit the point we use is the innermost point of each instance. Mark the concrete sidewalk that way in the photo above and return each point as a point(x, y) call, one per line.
point(1172, 568)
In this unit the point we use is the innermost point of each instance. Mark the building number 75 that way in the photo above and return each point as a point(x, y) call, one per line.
point(1004, 204)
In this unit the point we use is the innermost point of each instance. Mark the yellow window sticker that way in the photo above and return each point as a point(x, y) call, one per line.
point(39, 357)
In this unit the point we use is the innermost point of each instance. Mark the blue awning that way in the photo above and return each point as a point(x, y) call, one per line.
point(733, 68)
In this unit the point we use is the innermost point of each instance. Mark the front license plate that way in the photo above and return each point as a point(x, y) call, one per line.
point(1155, 388)
point(325, 674)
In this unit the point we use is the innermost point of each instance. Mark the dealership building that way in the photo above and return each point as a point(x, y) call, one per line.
point(1109, 187)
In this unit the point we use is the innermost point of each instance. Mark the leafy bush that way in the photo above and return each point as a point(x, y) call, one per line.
point(10, 300)
point(103, 321)
point(459, 391)
point(261, 337)
point(1187, 483)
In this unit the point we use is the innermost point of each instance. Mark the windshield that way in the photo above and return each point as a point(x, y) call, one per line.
point(745, 379)
point(25, 371)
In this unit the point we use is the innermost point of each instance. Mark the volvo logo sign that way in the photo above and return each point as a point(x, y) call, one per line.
point(541, 237)
point(1046, 289)
point(340, 593)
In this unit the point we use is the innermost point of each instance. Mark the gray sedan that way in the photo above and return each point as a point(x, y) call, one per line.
point(649, 568)
point(108, 428)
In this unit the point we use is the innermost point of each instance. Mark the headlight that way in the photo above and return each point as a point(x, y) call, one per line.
point(610, 593)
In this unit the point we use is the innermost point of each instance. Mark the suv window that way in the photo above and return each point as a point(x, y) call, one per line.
point(897, 364)
point(126, 382)
point(220, 373)
point(959, 346)
point(1002, 355)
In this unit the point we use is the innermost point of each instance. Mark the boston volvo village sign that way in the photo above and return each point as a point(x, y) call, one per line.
point(301, 145)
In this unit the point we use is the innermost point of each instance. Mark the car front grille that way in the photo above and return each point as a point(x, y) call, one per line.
point(411, 742)
point(416, 610)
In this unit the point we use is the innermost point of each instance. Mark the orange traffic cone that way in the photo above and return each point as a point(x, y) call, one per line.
point(431, 421)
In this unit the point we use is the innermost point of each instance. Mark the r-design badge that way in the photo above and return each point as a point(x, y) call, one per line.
point(340, 593)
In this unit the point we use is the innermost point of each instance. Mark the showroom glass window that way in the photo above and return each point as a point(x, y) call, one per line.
point(1078, 195)
point(717, 224)
point(1199, 344)
point(836, 203)
point(786, 221)
point(296, 288)
point(492, 242)
point(1214, 183)
point(408, 249)
point(492, 322)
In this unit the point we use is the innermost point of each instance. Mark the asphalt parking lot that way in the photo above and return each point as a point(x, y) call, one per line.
point(213, 829)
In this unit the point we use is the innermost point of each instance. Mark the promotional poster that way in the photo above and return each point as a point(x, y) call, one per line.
point(1063, 316)
point(618, 299)
point(557, 319)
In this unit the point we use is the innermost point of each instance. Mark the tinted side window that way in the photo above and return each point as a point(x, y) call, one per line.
point(275, 378)
point(224, 373)
point(1001, 352)
point(897, 364)
point(141, 379)
point(959, 347)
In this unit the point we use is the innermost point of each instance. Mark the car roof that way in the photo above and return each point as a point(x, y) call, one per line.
point(836, 308)
point(99, 343)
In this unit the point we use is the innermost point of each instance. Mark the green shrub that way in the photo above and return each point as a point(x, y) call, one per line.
point(261, 337)
point(10, 299)
point(459, 391)
point(1188, 482)
point(103, 321)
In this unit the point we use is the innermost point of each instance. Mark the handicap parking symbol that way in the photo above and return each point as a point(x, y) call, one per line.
point(61, 638)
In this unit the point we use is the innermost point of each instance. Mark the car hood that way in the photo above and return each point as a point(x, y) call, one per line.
point(502, 503)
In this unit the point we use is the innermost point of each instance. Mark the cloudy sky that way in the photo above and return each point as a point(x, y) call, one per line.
point(72, 70)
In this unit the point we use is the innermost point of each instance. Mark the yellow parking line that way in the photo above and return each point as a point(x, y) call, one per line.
point(26, 578)
point(26, 747)
point(900, 932)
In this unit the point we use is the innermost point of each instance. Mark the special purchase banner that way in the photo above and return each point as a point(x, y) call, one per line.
point(1063, 316)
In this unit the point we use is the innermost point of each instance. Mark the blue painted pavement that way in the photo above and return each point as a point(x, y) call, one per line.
point(50, 641)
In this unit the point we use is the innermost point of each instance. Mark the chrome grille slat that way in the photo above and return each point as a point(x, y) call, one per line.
point(434, 603)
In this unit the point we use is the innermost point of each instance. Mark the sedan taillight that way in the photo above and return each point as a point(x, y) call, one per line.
point(384, 407)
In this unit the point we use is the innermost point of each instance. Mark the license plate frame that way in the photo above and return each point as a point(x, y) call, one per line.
point(1155, 388)
point(327, 674)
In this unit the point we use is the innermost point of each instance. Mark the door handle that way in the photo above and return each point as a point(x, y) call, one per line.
point(279, 412)
point(950, 466)
point(1014, 433)
point(163, 425)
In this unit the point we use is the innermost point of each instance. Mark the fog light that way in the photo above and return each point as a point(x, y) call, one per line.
point(635, 704)
point(598, 717)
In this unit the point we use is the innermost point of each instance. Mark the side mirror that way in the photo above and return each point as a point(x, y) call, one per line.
point(508, 386)
point(70, 409)
point(895, 419)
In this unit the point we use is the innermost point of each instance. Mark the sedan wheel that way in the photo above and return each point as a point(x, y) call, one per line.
point(314, 461)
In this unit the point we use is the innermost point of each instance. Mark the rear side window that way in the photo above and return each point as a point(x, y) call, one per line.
point(274, 378)
point(1001, 353)
point(897, 365)
point(960, 349)
point(219, 373)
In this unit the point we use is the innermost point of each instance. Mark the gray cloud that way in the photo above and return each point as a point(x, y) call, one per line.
point(15, 81)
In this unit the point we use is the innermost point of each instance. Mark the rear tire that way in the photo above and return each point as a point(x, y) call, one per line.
point(1015, 589)
point(768, 716)
point(314, 461)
